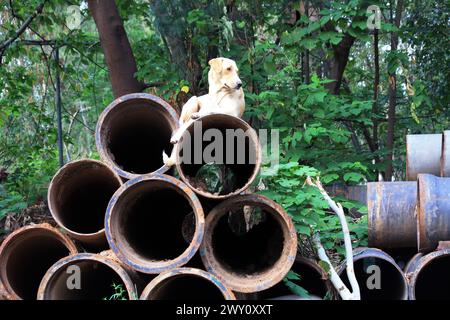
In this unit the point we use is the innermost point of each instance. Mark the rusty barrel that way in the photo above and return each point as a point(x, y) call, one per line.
point(183, 284)
point(391, 214)
point(428, 276)
point(87, 276)
point(78, 196)
point(250, 243)
point(445, 156)
point(132, 133)
point(144, 223)
point(25, 256)
point(378, 276)
point(423, 154)
point(312, 278)
point(224, 140)
point(433, 211)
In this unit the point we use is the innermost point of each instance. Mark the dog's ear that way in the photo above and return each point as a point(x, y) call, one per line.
point(216, 64)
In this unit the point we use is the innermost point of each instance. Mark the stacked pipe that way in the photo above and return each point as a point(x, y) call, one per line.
point(125, 220)
point(416, 214)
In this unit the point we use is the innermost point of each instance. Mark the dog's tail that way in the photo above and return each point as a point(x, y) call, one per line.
point(169, 161)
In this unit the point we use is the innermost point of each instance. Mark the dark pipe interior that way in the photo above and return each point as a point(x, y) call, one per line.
point(96, 283)
point(137, 134)
point(392, 284)
point(251, 252)
point(81, 202)
point(433, 281)
point(30, 259)
point(186, 287)
point(149, 221)
point(242, 172)
point(310, 280)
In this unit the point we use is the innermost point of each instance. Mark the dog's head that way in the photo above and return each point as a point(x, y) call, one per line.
point(224, 72)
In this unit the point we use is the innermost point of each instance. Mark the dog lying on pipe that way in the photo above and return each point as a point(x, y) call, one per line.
point(225, 96)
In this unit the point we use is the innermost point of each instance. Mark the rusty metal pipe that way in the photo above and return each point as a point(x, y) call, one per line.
point(245, 172)
point(97, 277)
point(144, 223)
point(312, 278)
point(78, 196)
point(423, 154)
point(255, 258)
point(25, 256)
point(132, 133)
point(429, 277)
point(445, 156)
point(433, 211)
point(187, 284)
point(387, 281)
point(391, 214)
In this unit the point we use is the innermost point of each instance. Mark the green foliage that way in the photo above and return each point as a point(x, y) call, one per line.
point(119, 293)
point(289, 281)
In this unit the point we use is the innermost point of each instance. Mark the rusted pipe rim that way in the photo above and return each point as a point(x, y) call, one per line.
point(33, 233)
point(68, 171)
point(373, 253)
point(160, 107)
point(417, 270)
point(125, 252)
point(235, 123)
point(56, 270)
point(161, 279)
point(268, 276)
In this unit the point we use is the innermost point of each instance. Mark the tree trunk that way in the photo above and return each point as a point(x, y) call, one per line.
point(392, 97)
point(116, 47)
point(375, 95)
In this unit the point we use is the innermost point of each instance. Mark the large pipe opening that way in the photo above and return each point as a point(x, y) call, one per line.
point(238, 145)
point(133, 132)
point(312, 279)
point(147, 221)
point(184, 287)
point(251, 251)
point(78, 197)
point(97, 281)
point(249, 243)
point(27, 255)
point(378, 279)
point(433, 280)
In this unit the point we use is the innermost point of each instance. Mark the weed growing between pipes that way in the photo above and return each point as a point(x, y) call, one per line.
point(29, 261)
point(249, 251)
point(136, 140)
point(392, 284)
point(186, 287)
point(433, 281)
point(151, 225)
point(96, 282)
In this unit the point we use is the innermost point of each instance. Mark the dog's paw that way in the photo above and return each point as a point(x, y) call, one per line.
point(195, 115)
point(168, 161)
point(174, 140)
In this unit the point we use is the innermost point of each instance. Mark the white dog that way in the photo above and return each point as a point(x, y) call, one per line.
point(225, 96)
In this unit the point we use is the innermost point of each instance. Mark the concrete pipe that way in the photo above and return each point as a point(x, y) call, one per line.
point(433, 211)
point(183, 284)
point(235, 145)
point(379, 277)
point(428, 276)
point(312, 278)
point(25, 256)
point(78, 196)
point(423, 154)
point(132, 133)
point(392, 214)
point(87, 276)
point(144, 223)
point(256, 257)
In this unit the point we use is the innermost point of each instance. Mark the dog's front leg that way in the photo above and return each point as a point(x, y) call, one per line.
point(179, 133)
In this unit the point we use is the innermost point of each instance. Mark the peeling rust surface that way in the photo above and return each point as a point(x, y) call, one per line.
point(178, 272)
point(392, 214)
point(243, 282)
